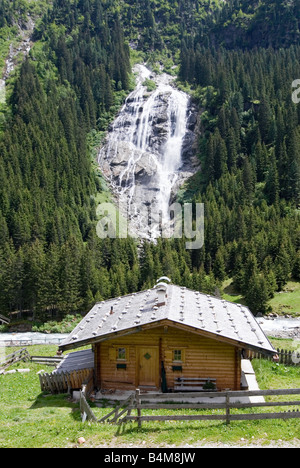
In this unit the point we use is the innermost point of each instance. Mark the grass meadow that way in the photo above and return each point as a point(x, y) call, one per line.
point(32, 419)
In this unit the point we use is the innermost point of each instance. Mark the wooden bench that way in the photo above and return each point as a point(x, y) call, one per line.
point(194, 384)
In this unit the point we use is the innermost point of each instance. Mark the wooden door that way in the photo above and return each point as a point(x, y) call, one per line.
point(148, 366)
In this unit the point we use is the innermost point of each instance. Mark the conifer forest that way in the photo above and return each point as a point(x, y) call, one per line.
point(236, 59)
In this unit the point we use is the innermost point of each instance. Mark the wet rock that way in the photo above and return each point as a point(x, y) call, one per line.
point(150, 148)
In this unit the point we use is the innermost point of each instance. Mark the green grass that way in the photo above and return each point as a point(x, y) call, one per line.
point(272, 375)
point(285, 343)
point(30, 418)
point(286, 302)
point(230, 294)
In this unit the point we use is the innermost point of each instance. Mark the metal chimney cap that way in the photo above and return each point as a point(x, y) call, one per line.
point(163, 278)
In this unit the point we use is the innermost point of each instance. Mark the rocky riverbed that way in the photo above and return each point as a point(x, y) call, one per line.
point(281, 327)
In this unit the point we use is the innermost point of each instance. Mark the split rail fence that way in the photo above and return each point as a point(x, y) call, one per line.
point(17, 356)
point(23, 355)
point(229, 401)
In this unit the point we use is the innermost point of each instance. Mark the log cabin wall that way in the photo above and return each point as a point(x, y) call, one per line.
point(133, 361)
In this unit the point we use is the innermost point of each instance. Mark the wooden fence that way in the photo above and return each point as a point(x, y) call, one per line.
point(47, 360)
point(63, 382)
point(14, 341)
point(228, 401)
point(289, 358)
point(85, 409)
point(3, 319)
point(120, 410)
point(23, 355)
point(20, 355)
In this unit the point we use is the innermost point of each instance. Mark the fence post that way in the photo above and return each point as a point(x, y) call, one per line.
point(131, 404)
point(138, 406)
point(227, 408)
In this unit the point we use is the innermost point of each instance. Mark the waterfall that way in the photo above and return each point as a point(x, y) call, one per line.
point(15, 51)
point(142, 154)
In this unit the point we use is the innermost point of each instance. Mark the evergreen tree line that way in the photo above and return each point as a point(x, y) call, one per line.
point(50, 257)
point(12, 11)
point(235, 24)
point(250, 154)
point(250, 119)
point(47, 184)
point(86, 43)
point(244, 24)
point(51, 260)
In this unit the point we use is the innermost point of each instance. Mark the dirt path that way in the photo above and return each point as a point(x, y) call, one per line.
point(243, 443)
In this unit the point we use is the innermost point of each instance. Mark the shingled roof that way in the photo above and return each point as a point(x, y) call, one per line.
point(181, 307)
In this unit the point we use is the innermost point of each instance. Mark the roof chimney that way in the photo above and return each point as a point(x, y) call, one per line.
point(111, 310)
point(161, 289)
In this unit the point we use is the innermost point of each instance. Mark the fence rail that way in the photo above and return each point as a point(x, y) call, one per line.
point(222, 400)
point(3, 319)
point(47, 360)
point(20, 355)
point(30, 342)
point(287, 357)
point(85, 409)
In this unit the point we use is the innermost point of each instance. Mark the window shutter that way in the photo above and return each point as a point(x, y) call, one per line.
point(112, 354)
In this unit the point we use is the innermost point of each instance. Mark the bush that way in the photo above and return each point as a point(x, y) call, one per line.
point(64, 326)
point(150, 84)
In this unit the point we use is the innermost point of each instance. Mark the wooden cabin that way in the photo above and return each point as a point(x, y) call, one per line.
point(168, 338)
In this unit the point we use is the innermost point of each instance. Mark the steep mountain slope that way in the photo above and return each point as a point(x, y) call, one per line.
point(73, 83)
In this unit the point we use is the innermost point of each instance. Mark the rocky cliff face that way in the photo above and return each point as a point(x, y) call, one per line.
point(149, 151)
point(23, 49)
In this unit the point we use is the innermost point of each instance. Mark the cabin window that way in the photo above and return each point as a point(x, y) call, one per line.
point(177, 355)
point(121, 354)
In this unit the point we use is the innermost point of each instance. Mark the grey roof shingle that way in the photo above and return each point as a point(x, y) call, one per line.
point(76, 361)
point(183, 306)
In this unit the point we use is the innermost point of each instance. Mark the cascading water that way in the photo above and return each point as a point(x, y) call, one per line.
point(22, 49)
point(142, 155)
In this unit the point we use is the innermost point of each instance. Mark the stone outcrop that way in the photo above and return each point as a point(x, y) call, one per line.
point(150, 148)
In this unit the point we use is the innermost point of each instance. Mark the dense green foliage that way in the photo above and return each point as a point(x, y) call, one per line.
point(270, 23)
point(250, 150)
point(47, 182)
point(74, 81)
point(10, 10)
point(155, 25)
point(50, 256)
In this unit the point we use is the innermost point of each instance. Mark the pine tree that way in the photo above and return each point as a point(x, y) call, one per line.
point(257, 294)
point(219, 268)
point(248, 179)
point(232, 150)
point(296, 269)
point(272, 182)
point(265, 119)
point(220, 155)
point(70, 260)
